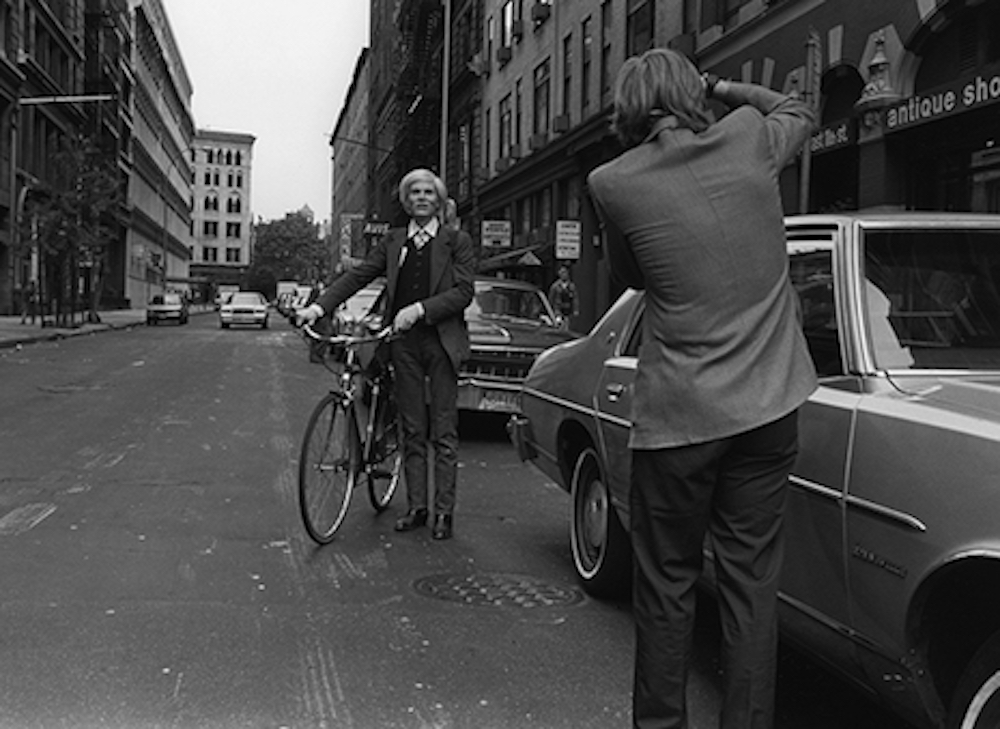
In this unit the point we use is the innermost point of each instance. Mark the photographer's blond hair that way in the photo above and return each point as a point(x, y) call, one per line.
point(658, 83)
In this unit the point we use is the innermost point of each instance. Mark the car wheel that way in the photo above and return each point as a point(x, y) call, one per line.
point(602, 554)
point(976, 704)
point(223, 325)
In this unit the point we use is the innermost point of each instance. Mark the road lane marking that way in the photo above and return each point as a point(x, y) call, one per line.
point(24, 518)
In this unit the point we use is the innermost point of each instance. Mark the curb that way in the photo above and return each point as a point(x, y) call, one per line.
point(63, 333)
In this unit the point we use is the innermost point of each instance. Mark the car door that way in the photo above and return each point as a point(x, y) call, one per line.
point(814, 589)
point(613, 404)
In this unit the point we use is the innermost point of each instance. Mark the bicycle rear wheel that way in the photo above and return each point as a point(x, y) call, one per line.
point(383, 448)
point(328, 467)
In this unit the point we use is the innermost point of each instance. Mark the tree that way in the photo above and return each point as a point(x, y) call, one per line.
point(289, 249)
point(72, 217)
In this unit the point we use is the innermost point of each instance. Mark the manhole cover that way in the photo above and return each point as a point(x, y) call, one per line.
point(497, 590)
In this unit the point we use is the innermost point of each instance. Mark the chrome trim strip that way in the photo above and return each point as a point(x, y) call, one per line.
point(885, 512)
point(840, 628)
point(878, 510)
point(825, 491)
point(489, 384)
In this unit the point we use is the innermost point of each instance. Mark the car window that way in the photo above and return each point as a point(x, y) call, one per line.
point(246, 299)
point(156, 300)
point(502, 301)
point(938, 293)
point(634, 341)
point(810, 268)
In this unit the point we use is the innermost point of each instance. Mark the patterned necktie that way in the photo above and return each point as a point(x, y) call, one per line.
point(421, 238)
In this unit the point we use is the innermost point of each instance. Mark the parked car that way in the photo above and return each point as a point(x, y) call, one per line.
point(510, 323)
point(167, 307)
point(244, 307)
point(892, 568)
point(361, 312)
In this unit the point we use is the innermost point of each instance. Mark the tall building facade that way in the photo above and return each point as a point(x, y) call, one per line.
point(222, 216)
point(158, 239)
point(41, 60)
point(108, 79)
point(349, 159)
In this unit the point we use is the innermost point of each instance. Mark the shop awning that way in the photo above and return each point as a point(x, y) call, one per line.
point(527, 256)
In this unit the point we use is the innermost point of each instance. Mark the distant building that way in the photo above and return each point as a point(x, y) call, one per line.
point(221, 217)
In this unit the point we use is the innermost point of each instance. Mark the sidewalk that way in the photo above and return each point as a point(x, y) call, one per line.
point(14, 333)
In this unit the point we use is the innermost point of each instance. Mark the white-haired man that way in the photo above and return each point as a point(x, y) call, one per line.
point(429, 272)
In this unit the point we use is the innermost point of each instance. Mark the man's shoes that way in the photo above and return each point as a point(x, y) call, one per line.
point(411, 520)
point(442, 527)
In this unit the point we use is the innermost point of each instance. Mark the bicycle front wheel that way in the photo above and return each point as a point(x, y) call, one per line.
point(383, 448)
point(328, 468)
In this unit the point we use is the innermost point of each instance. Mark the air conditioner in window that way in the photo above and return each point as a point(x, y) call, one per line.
point(540, 12)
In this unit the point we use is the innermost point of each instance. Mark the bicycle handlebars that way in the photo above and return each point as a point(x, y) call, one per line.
point(348, 340)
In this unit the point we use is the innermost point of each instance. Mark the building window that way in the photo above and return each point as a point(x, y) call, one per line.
point(487, 139)
point(518, 114)
point(490, 36)
point(210, 254)
point(233, 230)
point(239, 179)
point(540, 122)
point(211, 201)
point(505, 119)
point(605, 52)
point(232, 255)
point(507, 24)
point(639, 25)
point(229, 157)
point(210, 156)
point(208, 177)
point(210, 229)
point(239, 158)
point(233, 205)
point(465, 160)
point(586, 55)
point(567, 84)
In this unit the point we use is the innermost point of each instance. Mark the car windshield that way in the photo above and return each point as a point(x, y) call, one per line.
point(935, 297)
point(245, 299)
point(497, 300)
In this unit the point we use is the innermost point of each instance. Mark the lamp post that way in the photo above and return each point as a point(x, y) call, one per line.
point(445, 74)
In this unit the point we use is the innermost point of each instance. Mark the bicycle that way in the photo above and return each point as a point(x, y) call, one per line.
point(353, 432)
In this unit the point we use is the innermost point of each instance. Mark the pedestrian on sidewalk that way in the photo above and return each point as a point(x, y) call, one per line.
point(562, 294)
point(692, 214)
point(429, 269)
point(29, 301)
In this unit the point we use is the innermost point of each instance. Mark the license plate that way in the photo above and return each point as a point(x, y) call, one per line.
point(500, 401)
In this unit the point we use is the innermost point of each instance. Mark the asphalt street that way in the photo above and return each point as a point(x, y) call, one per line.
point(155, 573)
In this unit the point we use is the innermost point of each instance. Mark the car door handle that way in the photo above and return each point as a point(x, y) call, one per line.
point(615, 390)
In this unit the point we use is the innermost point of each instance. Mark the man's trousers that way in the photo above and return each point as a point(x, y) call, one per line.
point(419, 358)
point(733, 489)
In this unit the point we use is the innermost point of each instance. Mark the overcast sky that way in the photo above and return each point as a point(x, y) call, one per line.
point(279, 71)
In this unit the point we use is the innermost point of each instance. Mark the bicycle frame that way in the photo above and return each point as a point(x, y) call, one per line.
point(351, 380)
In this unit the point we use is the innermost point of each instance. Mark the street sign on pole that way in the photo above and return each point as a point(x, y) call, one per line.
point(568, 240)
